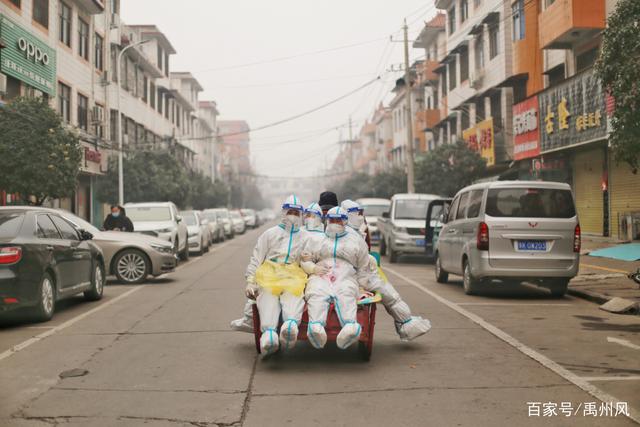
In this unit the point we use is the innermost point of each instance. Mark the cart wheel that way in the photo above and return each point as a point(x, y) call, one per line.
point(256, 327)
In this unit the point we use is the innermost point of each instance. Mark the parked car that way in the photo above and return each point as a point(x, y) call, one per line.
point(225, 216)
point(131, 257)
point(215, 224)
point(198, 231)
point(237, 221)
point(373, 209)
point(43, 259)
point(160, 219)
point(402, 227)
point(250, 217)
point(513, 231)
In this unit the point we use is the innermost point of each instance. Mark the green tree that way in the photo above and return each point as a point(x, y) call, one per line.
point(619, 70)
point(39, 157)
point(448, 168)
point(382, 185)
point(203, 194)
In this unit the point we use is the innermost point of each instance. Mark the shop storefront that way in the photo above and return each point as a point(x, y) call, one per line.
point(481, 138)
point(561, 135)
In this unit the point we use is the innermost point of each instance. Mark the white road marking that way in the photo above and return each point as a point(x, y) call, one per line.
point(629, 378)
point(19, 347)
point(512, 304)
point(499, 333)
point(623, 342)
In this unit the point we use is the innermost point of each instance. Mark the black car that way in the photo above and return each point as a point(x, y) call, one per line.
point(44, 258)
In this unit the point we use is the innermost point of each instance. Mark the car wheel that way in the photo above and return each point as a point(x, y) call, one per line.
point(393, 255)
point(383, 247)
point(131, 266)
point(184, 255)
point(46, 300)
point(97, 283)
point(206, 246)
point(559, 288)
point(471, 284)
point(441, 275)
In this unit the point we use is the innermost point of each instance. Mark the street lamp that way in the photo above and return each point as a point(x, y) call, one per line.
point(120, 147)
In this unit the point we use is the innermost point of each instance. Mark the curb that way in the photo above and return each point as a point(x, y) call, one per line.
point(589, 295)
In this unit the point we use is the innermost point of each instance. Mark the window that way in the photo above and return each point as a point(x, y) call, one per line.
point(587, 59)
point(83, 39)
point(452, 20)
point(464, 64)
point(493, 41)
point(113, 63)
point(98, 55)
point(530, 203)
point(16, 3)
point(113, 125)
point(475, 202)
point(64, 102)
point(66, 230)
point(160, 101)
point(549, 2)
point(477, 3)
point(464, 10)
point(453, 209)
point(41, 12)
point(443, 79)
point(97, 121)
point(145, 89)
point(166, 64)
point(115, 7)
point(556, 75)
point(160, 57)
point(65, 24)
point(453, 75)
point(83, 112)
point(479, 52)
point(46, 229)
point(152, 95)
point(462, 206)
point(517, 14)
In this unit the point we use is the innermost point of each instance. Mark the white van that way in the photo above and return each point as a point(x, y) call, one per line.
point(513, 231)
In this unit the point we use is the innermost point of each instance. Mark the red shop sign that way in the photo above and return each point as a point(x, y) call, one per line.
point(526, 129)
point(92, 155)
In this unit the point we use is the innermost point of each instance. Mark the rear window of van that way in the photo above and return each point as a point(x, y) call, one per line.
point(530, 203)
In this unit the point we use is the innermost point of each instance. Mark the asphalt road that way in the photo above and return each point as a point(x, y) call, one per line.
point(162, 354)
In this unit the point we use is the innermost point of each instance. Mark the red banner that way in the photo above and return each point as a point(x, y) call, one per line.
point(526, 129)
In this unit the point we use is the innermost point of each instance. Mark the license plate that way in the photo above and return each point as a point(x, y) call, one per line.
point(421, 242)
point(532, 245)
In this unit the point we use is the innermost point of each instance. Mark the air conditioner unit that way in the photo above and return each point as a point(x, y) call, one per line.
point(97, 114)
point(115, 30)
point(475, 81)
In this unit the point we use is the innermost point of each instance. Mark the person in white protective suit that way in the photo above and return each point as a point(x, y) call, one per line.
point(407, 326)
point(313, 219)
point(337, 263)
point(281, 244)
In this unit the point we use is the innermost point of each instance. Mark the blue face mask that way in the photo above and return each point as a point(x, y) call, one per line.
point(115, 214)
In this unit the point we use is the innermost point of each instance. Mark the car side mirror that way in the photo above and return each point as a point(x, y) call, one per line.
point(85, 235)
point(178, 219)
point(386, 214)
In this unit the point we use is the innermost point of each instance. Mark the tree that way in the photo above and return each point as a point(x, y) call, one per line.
point(203, 194)
point(382, 185)
point(448, 168)
point(619, 69)
point(39, 157)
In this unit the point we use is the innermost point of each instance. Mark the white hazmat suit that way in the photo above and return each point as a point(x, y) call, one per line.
point(341, 260)
point(407, 326)
point(281, 244)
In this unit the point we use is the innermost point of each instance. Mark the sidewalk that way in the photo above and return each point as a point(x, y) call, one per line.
point(601, 279)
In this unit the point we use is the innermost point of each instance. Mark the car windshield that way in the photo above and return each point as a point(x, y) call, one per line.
point(189, 218)
point(530, 203)
point(235, 215)
point(411, 209)
point(211, 216)
point(79, 222)
point(10, 223)
point(375, 210)
point(148, 213)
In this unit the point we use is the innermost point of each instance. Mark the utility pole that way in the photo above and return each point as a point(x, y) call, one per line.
point(407, 88)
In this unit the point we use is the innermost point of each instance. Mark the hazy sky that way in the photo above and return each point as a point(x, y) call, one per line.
point(213, 37)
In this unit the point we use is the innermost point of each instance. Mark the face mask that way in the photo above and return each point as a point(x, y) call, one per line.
point(115, 214)
point(356, 221)
point(291, 221)
point(334, 230)
point(313, 223)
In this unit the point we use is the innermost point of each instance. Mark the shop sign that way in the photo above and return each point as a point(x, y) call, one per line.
point(573, 112)
point(93, 156)
point(27, 58)
point(526, 130)
point(481, 138)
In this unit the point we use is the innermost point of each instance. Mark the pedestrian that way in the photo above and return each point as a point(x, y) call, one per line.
point(117, 220)
point(328, 200)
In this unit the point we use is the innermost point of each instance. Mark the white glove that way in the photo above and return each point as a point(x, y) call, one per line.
point(321, 270)
point(252, 290)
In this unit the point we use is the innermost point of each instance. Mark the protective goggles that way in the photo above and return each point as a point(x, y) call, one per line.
point(340, 215)
point(288, 206)
point(354, 210)
point(311, 211)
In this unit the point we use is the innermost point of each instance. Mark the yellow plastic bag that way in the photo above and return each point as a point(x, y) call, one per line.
point(278, 278)
point(382, 275)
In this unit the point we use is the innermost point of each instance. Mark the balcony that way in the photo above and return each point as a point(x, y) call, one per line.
point(566, 22)
point(428, 71)
point(92, 7)
point(426, 119)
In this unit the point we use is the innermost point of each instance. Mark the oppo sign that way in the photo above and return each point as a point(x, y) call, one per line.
point(33, 52)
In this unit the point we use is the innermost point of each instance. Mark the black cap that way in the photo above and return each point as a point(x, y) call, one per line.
point(328, 200)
